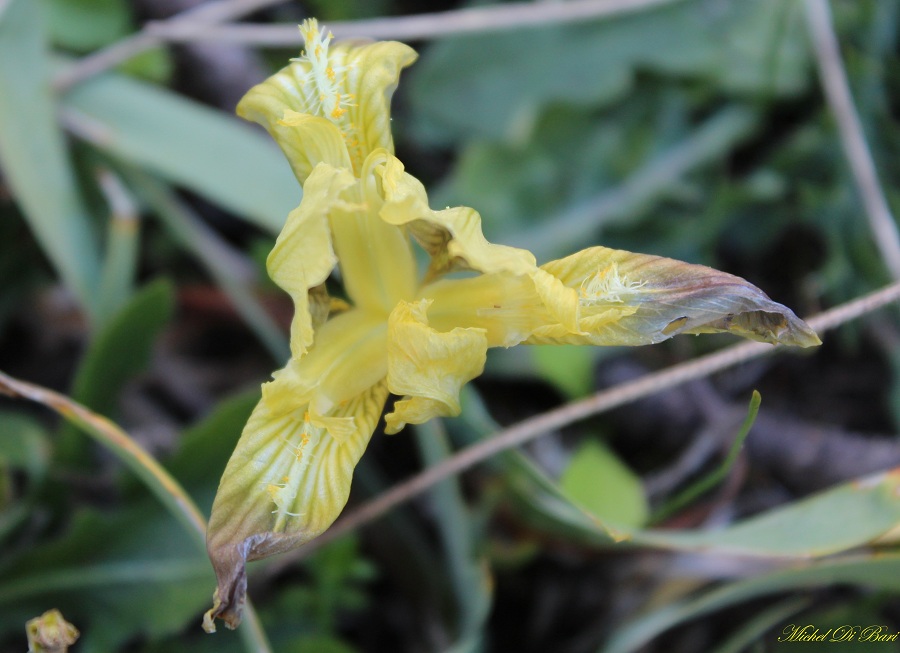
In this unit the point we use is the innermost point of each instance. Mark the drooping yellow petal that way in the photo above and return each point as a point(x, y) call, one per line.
point(638, 299)
point(428, 368)
point(303, 256)
point(287, 481)
point(348, 84)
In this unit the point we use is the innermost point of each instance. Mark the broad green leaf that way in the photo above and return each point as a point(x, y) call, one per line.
point(598, 481)
point(116, 576)
point(539, 500)
point(33, 154)
point(867, 508)
point(805, 528)
point(215, 155)
point(84, 25)
point(118, 352)
point(742, 47)
point(874, 571)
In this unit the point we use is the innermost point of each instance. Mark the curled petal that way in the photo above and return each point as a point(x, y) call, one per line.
point(312, 141)
point(454, 240)
point(427, 367)
point(452, 237)
point(348, 84)
point(303, 256)
point(637, 299)
point(286, 482)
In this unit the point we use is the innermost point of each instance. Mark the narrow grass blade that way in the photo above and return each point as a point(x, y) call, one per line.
point(703, 485)
point(122, 241)
point(469, 578)
point(879, 571)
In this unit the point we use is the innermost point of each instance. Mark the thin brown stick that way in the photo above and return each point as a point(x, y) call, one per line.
point(201, 17)
point(492, 18)
point(532, 428)
point(837, 91)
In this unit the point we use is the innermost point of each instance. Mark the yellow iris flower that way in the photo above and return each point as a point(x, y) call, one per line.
point(418, 337)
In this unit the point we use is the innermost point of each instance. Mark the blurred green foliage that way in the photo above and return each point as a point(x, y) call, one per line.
point(694, 129)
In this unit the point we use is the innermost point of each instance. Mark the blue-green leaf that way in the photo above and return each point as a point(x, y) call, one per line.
point(33, 153)
point(229, 163)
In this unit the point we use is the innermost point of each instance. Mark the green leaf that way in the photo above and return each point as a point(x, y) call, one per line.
point(204, 449)
point(153, 65)
point(868, 508)
point(598, 481)
point(568, 367)
point(468, 574)
point(755, 627)
point(83, 25)
point(122, 349)
point(538, 499)
point(709, 481)
point(123, 235)
point(25, 446)
point(742, 47)
point(875, 571)
point(33, 154)
point(116, 576)
point(231, 164)
point(118, 352)
point(233, 273)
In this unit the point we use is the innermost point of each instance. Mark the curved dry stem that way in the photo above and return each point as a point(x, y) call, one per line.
point(532, 428)
point(859, 157)
point(200, 17)
point(492, 18)
point(154, 476)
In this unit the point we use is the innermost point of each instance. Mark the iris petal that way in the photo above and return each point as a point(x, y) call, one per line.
point(287, 481)
point(638, 299)
point(349, 85)
point(428, 368)
point(303, 256)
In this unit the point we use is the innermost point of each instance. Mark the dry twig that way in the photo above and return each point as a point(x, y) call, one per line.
point(837, 90)
point(202, 17)
point(492, 18)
